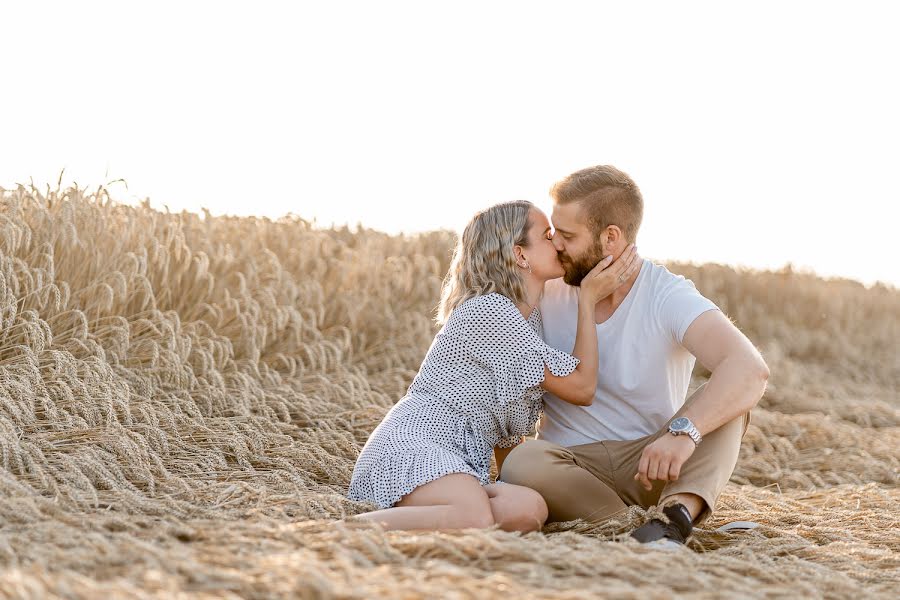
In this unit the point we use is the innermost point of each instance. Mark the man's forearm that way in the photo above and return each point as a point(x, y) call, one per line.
point(734, 387)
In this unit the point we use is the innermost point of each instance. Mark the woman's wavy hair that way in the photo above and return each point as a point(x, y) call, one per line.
point(484, 261)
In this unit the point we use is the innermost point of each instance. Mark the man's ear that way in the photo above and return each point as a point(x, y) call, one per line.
point(614, 237)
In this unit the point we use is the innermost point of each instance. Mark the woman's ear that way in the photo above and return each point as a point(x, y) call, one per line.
point(517, 251)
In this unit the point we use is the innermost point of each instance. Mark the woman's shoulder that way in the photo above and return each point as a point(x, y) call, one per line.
point(493, 317)
point(479, 311)
point(486, 305)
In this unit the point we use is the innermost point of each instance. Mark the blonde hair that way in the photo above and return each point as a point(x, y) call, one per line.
point(484, 260)
point(608, 197)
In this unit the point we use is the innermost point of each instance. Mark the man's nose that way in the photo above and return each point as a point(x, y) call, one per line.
point(558, 244)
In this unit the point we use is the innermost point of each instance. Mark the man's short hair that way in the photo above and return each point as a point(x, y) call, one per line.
point(608, 197)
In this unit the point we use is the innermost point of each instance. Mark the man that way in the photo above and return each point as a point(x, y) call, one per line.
point(639, 442)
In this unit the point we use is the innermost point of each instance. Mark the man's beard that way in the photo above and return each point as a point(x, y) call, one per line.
point(576, 269)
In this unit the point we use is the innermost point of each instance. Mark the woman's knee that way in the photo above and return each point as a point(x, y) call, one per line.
point(534, 512)
point(518, 508)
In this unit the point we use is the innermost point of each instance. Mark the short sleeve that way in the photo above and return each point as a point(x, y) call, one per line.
point(511, 348)
point(680, 307)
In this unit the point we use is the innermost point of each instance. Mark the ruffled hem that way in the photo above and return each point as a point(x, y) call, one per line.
point(397, 475)
point(560, 363)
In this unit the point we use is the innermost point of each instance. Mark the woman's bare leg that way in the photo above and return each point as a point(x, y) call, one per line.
point(454, 501)
point(516, 507)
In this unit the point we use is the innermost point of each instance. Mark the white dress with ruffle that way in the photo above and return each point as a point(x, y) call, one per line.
point(478, 388)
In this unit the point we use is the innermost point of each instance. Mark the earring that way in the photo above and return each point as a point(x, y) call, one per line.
point(526, 266)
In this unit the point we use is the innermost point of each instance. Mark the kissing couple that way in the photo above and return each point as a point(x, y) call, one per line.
point(564, 328)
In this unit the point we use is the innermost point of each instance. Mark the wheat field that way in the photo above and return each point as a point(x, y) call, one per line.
point(184, 396)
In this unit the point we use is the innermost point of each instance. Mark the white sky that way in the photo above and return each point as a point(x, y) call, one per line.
point(759, 133)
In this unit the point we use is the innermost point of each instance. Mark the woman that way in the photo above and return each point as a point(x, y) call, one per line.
point(480, 386)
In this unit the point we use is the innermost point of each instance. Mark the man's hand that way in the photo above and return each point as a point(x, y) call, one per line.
point(662, 460)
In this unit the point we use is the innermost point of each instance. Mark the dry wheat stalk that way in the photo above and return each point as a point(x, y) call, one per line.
point(185, 396)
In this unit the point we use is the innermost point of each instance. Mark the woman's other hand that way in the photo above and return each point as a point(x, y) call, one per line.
point(604, 278)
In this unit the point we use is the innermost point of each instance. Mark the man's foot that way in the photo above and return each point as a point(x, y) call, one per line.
point(665, 544)
point(678, 529)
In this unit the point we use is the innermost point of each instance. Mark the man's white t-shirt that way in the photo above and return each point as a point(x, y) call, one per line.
point(644, 370)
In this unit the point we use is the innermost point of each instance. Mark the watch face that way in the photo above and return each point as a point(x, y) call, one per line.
point(680, 424)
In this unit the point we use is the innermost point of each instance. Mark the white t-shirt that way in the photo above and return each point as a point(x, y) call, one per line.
point(644, 370)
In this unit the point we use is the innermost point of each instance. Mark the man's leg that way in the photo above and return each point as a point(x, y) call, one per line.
point(702, 477)
point(708, 470)
point(571, 490)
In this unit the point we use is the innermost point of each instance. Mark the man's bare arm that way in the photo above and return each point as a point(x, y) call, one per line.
point(739, 373)
point(738, 380)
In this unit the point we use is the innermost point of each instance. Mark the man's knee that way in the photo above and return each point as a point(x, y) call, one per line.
point(733, 431)
point(706, 473)
point(529, 463)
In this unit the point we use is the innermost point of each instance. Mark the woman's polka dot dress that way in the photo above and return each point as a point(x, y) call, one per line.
point(478, 387)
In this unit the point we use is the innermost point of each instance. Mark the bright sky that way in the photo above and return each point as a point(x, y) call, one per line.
point(759, 133)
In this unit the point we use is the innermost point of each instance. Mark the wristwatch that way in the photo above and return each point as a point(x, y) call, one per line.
point(683, 426)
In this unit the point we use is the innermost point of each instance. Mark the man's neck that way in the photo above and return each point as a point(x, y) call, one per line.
point(606, 307)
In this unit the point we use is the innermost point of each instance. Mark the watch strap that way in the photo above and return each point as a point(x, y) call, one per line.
point(692, 432)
